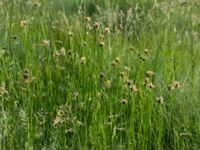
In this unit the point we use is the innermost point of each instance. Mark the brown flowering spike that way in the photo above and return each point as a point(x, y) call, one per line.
point(36, 4)
point(146, 51)
point(124, 101)
point(126, 69)
point(113, 63)
point(87, 19)
point(57, 120)
point(160, 100)
point(107, 30)
point(70, 130)
point(56, 54)
point(62, 51)
point(98, 95)
point(70, 33)
point(14, 37)
point(132, 48)
point(26, 76)
point(151, 85)
point(146, 81)
point(149, 73)
point(108, 84)
point(143, 58)
point(45, 42)
point(82, 60)
point(184, 135)
point(122, 74)
point(174, 85)
point(96, 25)
point(171, 87)
point(177, 85)
point(23, 23)
point(133, 88)
point(129, 82)
point(101, 44)
point(84, 44)
point(117, 60)
point(101, 37)
point(3, 89)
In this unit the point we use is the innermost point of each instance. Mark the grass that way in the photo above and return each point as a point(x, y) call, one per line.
point(99, 74)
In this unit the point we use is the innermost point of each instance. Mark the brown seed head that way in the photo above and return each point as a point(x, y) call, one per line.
point(45, 42)
point(23, 23)
point(149, 73)
point(124, 101)
point(151, 85)
point(70, 34)
point(107, 30)
point(160, 100)
point(88, 19)
point(96, 25)
point(133, 88)
point(82, 60)
point(101, 44)
point(108, 84)
point(126, 69)
point(146, 51)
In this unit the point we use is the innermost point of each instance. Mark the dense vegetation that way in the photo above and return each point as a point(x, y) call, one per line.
point(112, 74)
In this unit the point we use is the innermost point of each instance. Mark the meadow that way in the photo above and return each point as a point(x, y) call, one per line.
point(99, 74)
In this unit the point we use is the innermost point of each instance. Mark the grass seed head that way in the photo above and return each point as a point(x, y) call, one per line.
point(69, 131)
point(101, 37)
point(62, 51)
point(57, 120)
point(177, 85)
point(151, 85)
point(160, 100)
point(70, 34)
point(36, 4)
point(184, 135)
point(129, 82)
point(26, 76)
point(23, 23)
point(45, 42)
point(107, 30)
point(101, 44)
point(102, 75)
point(133, 88)
point(14, 37)
point(96, 25)
point(122, 74)
point(146, 51)
point(174, 85)
point(83, 60)
point(113, 63)
point(143, 58)
point(171, 88)
point(108, 84)
point(132, 48)
point(149, 73)
point(87, 19)
point(124, 101)
point(117, 60)
point(3, 89)
point(84, 44)
point(126, 69)
point(146, 81)
point(98, 95)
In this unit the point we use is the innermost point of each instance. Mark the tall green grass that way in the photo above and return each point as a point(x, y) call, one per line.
point(65, 84)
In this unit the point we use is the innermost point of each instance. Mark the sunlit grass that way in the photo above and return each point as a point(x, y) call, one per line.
point(99, 75)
